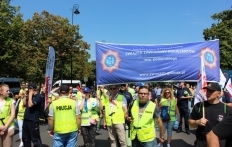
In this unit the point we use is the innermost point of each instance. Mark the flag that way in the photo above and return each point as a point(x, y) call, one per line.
point(229, 87)
point(222, 79)
point(202, 82)
point(49, 74)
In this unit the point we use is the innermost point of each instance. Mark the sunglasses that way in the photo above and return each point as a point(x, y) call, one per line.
point(167, 92)
point(112, 88)
point(143, 93)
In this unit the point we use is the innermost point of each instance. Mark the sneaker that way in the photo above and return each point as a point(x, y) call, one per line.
point(21, 144)
point(160, 145)
point(168, 145)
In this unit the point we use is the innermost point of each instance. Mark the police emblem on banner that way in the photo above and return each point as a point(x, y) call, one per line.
point(209, 56)
point(110, 60)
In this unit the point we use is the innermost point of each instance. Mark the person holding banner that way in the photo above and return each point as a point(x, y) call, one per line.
point(115, 112)
point(144, 114)
point(207, 114)
point(101, 89)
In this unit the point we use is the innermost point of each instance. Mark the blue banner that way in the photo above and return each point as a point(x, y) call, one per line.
point(127, 63)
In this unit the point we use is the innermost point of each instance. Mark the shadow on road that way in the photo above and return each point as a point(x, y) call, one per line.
point(180, 142)
point(101, 143)
point(44, 145)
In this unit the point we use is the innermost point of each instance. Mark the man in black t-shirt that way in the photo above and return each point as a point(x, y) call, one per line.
point(215, 111)
point(219, 132)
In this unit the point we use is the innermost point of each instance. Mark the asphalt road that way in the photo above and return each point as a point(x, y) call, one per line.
point(179, 139)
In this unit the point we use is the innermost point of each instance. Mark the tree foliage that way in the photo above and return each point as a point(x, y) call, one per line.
point(10, 38)
point(222, 30)
point(24, 46)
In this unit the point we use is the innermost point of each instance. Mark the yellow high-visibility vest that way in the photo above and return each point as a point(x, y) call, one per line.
point(143, 128)
point(91, 114)
point(64, 115)
point(171, 107)
point(21, 110)
point(6, 112)
point(114, 115)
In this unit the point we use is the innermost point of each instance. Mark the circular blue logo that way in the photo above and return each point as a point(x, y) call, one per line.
point(110, 60)
point(209, 57)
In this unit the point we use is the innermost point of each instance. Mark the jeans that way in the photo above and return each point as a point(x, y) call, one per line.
point(168, 125)
point(65, 140)
point(137, 143)
point(20, 125)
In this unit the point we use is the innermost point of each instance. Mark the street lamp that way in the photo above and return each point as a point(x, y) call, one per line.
point(74, 11)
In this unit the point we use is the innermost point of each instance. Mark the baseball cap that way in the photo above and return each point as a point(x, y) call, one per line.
point(213, 87)
point(32, 86)
point(140, 84)
point(86, 89)
point(64, 89)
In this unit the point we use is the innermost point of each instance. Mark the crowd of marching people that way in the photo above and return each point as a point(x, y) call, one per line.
point(130, 113)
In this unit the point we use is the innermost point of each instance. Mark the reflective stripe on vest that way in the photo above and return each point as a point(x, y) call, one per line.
point(64, 115)
point(143, 128)
point(92, 113)
point(6, 112)
point(116, 116)
point(172, 110)
point(21, 110)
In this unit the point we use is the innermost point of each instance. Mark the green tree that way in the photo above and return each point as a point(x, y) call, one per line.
point(10, 37)
point(222, 30)
point(46, 29)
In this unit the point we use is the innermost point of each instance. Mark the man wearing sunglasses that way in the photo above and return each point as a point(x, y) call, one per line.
point(144, 115)
point(115, 111)
point(215, 112)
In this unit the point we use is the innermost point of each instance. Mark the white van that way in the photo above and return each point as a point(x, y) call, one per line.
point(67, 82)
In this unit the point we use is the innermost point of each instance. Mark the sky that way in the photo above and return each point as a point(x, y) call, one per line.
point(132, 22)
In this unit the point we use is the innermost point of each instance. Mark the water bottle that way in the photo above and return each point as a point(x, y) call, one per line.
point(176, 124)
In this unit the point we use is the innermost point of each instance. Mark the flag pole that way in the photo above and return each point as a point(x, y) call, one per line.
point(203, 106)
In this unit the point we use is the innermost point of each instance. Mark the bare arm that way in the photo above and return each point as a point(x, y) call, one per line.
point(78, 118)
point(12, 115)
point(51, 122)
point(30, 103)
point(193, 123)
point(24, 101)
point(100, 104)
point(212, 139)
point(125, 110)
point(82, 104)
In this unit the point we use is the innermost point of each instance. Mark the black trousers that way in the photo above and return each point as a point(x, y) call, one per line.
point(184, 112)
point(31, 133)
point(88, 134)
